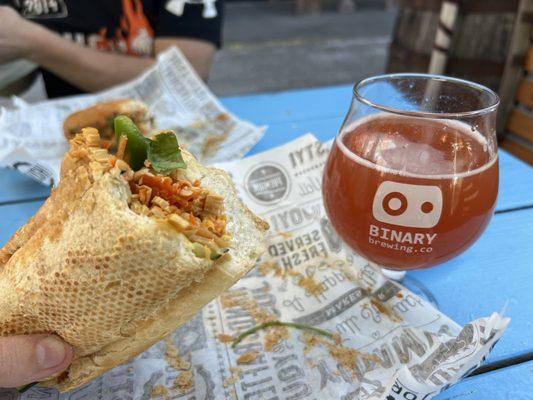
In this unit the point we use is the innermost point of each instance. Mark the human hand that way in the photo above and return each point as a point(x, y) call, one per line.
point(16, 35)
point(26, 359)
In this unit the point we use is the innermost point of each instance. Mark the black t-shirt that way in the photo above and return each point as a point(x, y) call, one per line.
point(126, 26)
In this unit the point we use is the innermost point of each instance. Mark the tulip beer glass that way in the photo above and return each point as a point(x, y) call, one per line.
point(412, 177)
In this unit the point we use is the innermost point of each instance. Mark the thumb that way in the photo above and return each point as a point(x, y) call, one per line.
point(26, 359)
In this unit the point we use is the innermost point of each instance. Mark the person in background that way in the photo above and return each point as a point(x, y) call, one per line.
point(90, 45)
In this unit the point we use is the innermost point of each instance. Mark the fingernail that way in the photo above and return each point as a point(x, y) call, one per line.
point(50, 352)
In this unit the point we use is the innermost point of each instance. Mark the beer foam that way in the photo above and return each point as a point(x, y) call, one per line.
point(454, 124)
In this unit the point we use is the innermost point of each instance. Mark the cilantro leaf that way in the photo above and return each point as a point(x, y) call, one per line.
point(164, 153)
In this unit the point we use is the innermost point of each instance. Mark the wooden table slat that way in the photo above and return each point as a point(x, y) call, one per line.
point(293, 105)
point(13, 216)
point(18, 187)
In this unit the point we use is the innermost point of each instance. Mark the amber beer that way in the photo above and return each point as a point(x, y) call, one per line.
point(410, 193)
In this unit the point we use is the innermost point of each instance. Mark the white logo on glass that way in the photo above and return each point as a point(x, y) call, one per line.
point(414, 206)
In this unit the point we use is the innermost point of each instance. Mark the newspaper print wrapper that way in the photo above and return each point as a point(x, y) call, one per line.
point(394, 345)
point(32, 140)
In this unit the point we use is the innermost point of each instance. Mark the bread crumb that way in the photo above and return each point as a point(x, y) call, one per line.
point(184, 381)
point(235, 370)
point(248, 357)
point(240, 300)
point(309, 284)
point(230, 381)
point(337, 338)
point(383, 309)
point(267, 268)
point(172, 356)
point(309, 340)
point(344, 356)
point(224, 338)
point(160, 391)
point(231, 299)
point(260, 315)
point(306, 282)
point(274, 336)
point(236, 374)
point(285, 235)
point(179, 364)
point(171, 350)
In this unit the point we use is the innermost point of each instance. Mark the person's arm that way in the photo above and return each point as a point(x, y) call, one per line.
point(85, 68)
point(88, 69)
point(199, 53)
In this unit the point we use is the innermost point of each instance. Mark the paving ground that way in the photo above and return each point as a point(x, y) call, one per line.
point(267, 48)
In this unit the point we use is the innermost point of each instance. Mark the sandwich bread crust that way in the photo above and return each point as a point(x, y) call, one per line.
point(107, 280)
point(101, 115)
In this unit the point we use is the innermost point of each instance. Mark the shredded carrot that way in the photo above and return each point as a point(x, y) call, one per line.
point(112, 160)
point(122, 146)
point(181, 197)
point(192, 220)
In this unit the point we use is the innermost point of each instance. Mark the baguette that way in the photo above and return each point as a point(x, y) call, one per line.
point(109, 281)
point(100, 116)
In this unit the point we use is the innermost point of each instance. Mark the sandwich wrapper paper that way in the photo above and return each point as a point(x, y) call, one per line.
point(395, 345)
point(32, 140)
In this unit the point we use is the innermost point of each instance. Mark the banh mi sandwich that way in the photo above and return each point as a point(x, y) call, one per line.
point(127, 248)
point(102, 115)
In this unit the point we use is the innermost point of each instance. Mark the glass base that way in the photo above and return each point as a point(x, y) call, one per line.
point(393, 274)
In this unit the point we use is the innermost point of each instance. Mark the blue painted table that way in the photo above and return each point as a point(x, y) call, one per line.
point(496, 272)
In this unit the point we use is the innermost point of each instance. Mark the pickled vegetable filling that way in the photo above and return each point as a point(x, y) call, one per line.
point(160, 189)
point(190, 208)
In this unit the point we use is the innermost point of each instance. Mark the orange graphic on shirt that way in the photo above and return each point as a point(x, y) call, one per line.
point(134, 36)
point(102, 43)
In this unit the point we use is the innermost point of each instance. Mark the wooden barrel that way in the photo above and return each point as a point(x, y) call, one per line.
point(479, 43)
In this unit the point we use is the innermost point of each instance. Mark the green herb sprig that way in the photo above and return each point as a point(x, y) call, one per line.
point(270, 324)
point(163, 151)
